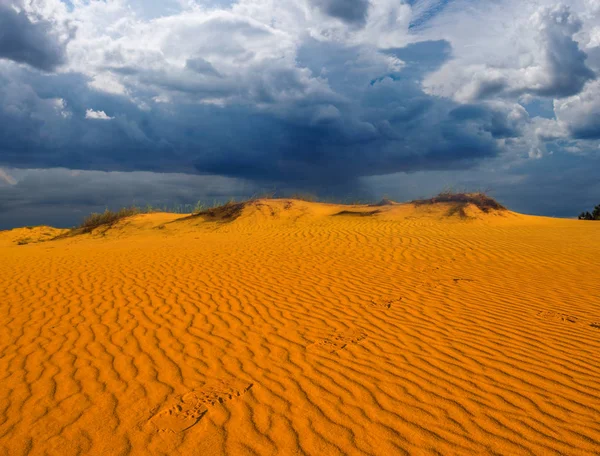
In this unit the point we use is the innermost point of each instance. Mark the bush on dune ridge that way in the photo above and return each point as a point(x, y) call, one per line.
point(595, 215)
point(479, 199)
point(232, 209)
point(228, 211)
point(107, 217)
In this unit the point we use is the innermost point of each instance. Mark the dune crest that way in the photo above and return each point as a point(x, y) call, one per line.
point(291, 327)
point(29, 235)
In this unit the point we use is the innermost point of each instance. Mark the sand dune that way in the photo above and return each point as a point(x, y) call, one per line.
point(287, 327)
point(28, 235)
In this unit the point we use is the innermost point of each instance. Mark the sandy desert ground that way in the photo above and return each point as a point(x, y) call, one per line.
point(293, 330)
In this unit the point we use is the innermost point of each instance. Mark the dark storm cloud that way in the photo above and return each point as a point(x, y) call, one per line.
point(590, 130)
point(559, 184)
point(316, 143)
point(587, 126)
point(47, 196)
point(247, 94)
point(350, 11)
point(386, 126)
point(495, 122)
point(24, 41)
point(567, 67)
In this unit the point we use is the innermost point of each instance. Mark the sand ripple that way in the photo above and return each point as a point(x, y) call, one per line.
point(313, 335)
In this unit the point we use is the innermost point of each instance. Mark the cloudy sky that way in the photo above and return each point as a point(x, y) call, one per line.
point(111, 102)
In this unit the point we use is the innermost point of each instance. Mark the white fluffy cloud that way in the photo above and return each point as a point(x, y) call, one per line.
point(246, 51)
point(581, 113)
point(538, 54)
point(238, 53)
point(97, 115)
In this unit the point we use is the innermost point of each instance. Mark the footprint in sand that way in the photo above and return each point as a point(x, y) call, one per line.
point(595, 325)
point(385, 302)
point(550, 315)
point(338, 341)
point(459, 279)
point(437, 283)
point(186, 410)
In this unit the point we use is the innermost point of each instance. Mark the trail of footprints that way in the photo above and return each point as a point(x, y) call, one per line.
point(550, 315)
point(385, 302)
point(338, 341)
point(186, 410)
point(562, 317)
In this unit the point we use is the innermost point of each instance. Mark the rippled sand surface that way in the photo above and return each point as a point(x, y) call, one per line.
point(292, 330)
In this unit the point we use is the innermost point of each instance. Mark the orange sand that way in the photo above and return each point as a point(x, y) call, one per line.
point(292, 331)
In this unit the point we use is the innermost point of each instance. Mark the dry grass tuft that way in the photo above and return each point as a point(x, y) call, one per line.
point(358, 213)
point(106, 218)
point(460, 200)
point(226, 212)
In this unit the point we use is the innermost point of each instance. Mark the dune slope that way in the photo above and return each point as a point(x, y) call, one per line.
point(304, 328)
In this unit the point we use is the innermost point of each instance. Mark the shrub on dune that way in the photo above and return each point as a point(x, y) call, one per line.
point(484, 202)
point(106, 218)
point(595, 215)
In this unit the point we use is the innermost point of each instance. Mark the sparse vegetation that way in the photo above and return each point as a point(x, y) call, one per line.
point(594, 215)
point(199, 207)
point(482, 201)
point(232, 209)
point(228, 211)
point(106, 218)
point(358, 213)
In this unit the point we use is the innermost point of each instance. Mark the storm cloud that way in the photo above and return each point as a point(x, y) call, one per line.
point(311, 140)
point(25, 41)
point(317, 96)
point(29, 197)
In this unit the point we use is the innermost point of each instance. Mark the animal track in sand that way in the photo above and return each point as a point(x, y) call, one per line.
point(180, 416)
point(437, 283)
point(186, 410)
point(550, 315)
point(385, 302)
point(557, 316)
point(458, 279)
point(339, 340)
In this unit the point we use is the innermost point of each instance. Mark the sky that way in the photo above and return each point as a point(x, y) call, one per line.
point(105, 103)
